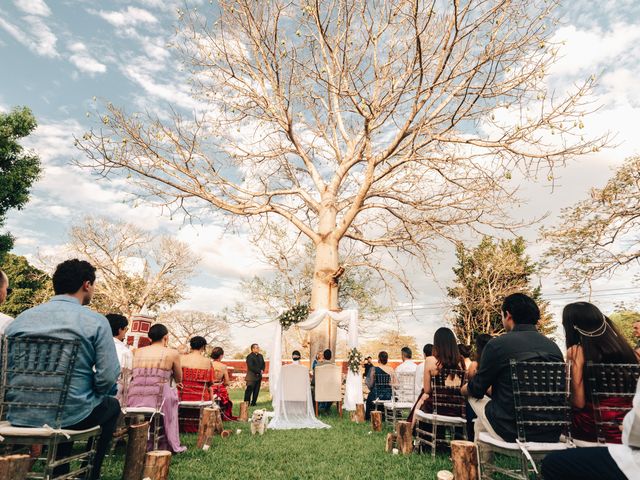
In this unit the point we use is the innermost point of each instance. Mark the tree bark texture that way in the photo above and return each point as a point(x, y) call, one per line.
point(465, 460)
point(244, 412)
point(391, 440)
point(207, 427)
point(358, 415)
point(136, 448)
point(14, 467)
point(405, 437)
point(156, 465)
point(376, 421)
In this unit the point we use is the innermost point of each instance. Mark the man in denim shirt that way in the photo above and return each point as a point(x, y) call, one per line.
point(96, 368)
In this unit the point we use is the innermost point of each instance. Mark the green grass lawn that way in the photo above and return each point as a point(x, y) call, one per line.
point(346, 451)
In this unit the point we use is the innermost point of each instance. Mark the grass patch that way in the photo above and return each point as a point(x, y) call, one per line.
point(347, 451)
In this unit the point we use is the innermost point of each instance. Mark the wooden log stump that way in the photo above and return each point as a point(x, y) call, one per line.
point(206, 429)
point(14, 467)
point(358, 415)
point(244, 412)
point(136, 448)
point(217, 421)
point(405, 437)
point(391, 441)
point(376, 421)
point(465, 460)
point(156, 465)
point(225, 433)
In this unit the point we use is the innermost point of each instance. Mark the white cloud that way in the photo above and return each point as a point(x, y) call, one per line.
point(33, 7)
point(82, 59)
point(40, 39)
point(129, 17)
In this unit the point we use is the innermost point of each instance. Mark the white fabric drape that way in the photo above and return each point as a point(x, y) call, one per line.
point(353, 386)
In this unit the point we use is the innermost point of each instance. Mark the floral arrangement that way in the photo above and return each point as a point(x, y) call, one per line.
point(354, 360)
point(294, 315)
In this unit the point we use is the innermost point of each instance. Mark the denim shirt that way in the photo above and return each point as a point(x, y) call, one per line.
point(96, 368)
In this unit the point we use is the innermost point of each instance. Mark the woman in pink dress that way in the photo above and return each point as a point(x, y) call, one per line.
point(592, 337)
point(154, 367)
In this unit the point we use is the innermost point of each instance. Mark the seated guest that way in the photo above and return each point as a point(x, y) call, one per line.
point(96, 368)
point(326, 360)
point(316, 360)
point(368, 364)
point(427, 351)
point(407, 365)
point(153, 367)
point(522, 342)
point(197, 377)
point(379, 381)
point(465, 351)
point(445, 357)
point(592, 337)
point(220, 383)
point(480, 342)
point(295, 357)
point(613, 462)
point(4, 291)
point(119, 326)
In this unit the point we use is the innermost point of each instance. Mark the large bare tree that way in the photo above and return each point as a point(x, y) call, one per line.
point(185, 324)
point(137, 271)
point(386, 124)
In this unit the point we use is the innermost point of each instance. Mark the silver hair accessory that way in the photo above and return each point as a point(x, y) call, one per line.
point(594, 333)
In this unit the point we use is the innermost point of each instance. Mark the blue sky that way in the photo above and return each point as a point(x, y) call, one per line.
point(56, 56)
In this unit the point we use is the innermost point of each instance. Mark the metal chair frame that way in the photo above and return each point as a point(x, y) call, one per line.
point(608, 380)
point(444, 397)
point(538, 388)
point(403, 392)
point(40, 369)
point(383, 381)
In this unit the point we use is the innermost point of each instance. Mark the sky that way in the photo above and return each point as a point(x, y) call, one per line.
point(62, 58)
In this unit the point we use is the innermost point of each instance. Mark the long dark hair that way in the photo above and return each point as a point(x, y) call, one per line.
point(481, 341)
point(445, 349)
point(584, 324)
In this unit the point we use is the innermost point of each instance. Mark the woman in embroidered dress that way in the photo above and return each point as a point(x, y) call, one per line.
point(197, 377)
point(154, 367)
point(592, 337)
point(220, 382)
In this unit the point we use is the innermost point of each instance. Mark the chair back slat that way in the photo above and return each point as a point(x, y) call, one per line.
point(146, 388)
point(541, 397)
point(382, 388)
point(36, 374)
point(445, 390)
point(612, 388)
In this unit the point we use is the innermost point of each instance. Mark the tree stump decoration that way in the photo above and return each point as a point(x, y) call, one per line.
point(156, 465)
point(358, 415)
point(225, 433)
point(244, 412)
point(390, 443)
point(405, 437)
point(206, 429)
point(465, 460)
point(14, 467)
point(217, 421)
point(376, 421)
point(136, 448)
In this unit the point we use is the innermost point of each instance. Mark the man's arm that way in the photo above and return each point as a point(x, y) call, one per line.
point(107, 363)
point(486, 375)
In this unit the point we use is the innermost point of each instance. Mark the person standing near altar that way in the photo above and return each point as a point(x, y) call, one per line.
point(255, 369)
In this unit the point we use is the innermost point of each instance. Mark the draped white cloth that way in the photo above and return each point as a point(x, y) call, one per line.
point(353, 386)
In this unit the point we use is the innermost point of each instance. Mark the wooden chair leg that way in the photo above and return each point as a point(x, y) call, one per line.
point(316, 408)
point(340, 409)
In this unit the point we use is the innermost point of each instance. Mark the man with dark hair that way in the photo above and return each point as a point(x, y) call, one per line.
point(96, 368)
point(407, 365)
point(4, 291)
point(295, 356)
point(119, 326)
point(255, 369)
point(522, 342)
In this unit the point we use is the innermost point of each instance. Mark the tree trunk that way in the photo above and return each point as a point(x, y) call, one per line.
point(136, 448)
point(324, 289)
point(465, 460)
point(14, 467)
point(156, 465)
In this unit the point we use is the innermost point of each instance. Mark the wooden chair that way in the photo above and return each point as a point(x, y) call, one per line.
point(328, 386)
point(403, 396)
point(36, 374)
point(196, 385)
point(449, 411)
point(541, 398)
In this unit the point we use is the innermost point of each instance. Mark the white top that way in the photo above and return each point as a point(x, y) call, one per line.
point(408, 366)
point(4, 321)
point(125, 357)
point(419, 377)
point(627, 455)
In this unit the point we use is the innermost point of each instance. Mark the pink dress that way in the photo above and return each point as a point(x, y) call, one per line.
point(150, 387)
